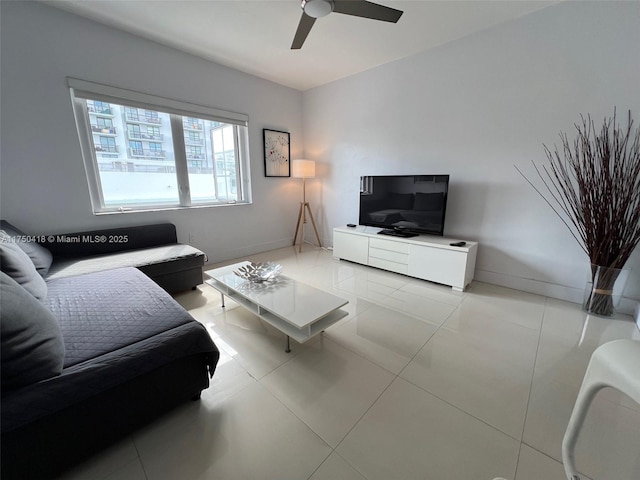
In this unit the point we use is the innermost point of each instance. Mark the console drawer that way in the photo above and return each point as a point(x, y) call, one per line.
point(388, 255)
point(390, 245)
point(390, 266)
point(387, 259)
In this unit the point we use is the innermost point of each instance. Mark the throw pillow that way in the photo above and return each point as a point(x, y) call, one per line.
point(429, 202)
point(401, 201)
point(32, 348)
point(17, 264)
point(40, 256)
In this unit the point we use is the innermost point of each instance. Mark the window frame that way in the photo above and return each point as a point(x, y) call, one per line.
point(81, 91)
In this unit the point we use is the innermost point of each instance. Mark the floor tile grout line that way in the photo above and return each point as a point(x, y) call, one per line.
point(144, 470)
point(396, 377)
point(334, 452)
point(309, 426)
point(533, 369)
point(358, 354)
point(431, 299)
point(515, 473)
point(365, 413)
point(583, 476)
point(277, 398)
point(442, 326)
point(438, 327)
point(541, 452)
point(461, 409)
point(493, 427)
point(321, 463)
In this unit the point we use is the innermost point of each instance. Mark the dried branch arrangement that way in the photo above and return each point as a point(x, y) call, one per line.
point(593, 185)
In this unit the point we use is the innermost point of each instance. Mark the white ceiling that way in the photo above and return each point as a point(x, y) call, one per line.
point(255, 36)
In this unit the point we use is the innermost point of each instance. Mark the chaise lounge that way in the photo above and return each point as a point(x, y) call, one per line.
point(152, 249)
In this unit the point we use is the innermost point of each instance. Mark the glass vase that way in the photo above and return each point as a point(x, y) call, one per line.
point(604, 290)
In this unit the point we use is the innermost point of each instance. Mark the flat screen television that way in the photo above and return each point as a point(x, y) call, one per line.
point(404, 205)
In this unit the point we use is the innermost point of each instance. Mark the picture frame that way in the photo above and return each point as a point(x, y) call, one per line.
point(277, 153)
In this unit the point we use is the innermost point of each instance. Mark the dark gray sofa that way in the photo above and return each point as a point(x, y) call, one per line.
point(88, 358)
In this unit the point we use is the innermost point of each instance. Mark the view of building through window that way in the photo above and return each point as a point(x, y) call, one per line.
point(136, 154)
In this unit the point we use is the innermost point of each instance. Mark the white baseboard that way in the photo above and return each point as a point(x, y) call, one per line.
point(538, 287)
point(561, 292)
point(246, 250)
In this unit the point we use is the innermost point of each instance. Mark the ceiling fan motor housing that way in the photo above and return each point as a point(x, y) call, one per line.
point(317, 8)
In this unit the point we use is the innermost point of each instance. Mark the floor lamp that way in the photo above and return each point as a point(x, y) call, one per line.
point(304, 169)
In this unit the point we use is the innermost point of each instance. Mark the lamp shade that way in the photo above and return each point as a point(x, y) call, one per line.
point(303, 168)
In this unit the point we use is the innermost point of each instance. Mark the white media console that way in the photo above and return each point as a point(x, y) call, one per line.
point(427, 257)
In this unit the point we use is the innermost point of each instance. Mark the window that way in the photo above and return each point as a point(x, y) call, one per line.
point(194, 152)
point(134, 131)
point(104, 122)
point(192, 137)
point(151, 116)
point(107, 144)
point(155, 149)
point(224, 154)
point(131, 114)
point(153, 133)
point(192, 123)
point(99, 107)
point(160, 153)
point(136, 147)
point(366, 185)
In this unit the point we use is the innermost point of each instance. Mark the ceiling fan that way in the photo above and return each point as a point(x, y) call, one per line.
point(312, 9)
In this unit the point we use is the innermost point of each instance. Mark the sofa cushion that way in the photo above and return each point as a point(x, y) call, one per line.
point(401, 201)
point(17, 264)
point(31, 341)
point(429, 202)
point(40, 256)
point(66, 267)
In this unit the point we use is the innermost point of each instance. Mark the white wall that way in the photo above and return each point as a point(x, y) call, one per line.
point(44, 188)
point(474, 108)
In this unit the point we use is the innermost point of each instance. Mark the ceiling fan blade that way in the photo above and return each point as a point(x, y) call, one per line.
point(304, 27)
point(362, 8)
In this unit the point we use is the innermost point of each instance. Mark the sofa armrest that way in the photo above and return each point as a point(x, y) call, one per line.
point(101, 242)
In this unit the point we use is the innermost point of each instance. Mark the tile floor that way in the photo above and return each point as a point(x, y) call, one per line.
point(417, 382)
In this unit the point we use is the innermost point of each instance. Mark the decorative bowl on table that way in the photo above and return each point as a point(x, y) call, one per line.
point(259, 272)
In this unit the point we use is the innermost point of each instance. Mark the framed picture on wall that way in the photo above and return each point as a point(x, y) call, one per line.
point(277, 153)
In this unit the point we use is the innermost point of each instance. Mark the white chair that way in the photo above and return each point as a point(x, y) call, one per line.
point(615, 364)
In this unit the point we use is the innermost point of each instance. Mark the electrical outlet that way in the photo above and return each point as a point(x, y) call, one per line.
point(192, 238)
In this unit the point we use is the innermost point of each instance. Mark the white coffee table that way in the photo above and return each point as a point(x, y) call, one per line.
point(298, 310)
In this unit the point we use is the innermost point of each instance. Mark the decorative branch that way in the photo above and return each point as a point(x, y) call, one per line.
point(593, 186)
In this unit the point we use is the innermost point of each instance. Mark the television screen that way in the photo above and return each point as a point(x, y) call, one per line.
point(404, 205)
